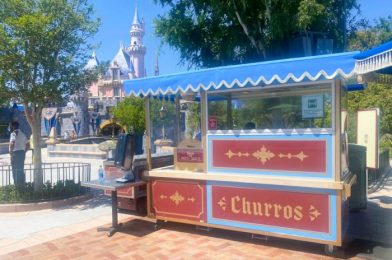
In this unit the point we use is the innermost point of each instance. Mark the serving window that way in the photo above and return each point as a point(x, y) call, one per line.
point(176, 128)
point(275, 108)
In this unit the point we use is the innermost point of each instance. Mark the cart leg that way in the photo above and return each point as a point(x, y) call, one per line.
point(115, 225)
point(330, 250)
point(158, 224)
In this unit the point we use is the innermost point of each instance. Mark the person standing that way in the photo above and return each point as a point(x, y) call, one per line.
point(17, 148)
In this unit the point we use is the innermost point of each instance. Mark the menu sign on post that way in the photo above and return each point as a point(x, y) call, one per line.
point(312, 106)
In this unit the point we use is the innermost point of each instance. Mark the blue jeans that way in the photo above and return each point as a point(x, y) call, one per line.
point(17, 163)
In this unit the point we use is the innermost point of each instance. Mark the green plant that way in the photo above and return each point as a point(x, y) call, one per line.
point(130, 114)
point(193, 119)
point(49, 191)
point(386, 143)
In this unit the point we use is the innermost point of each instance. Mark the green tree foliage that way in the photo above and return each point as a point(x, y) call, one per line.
point(158, 120)
point(377, 94)
point(193, 119)
point(211, 33)
point(43, 47)
point(368, 36)
point(103, 67)
point(130, 114)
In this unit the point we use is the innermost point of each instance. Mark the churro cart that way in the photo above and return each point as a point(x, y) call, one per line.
point(258, 148)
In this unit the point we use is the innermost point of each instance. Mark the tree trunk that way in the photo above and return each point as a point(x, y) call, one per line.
point(257, 44)
point(33, 116)
point(37, 156)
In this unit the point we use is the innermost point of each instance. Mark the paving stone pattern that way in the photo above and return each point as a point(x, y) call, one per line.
point(139, 240)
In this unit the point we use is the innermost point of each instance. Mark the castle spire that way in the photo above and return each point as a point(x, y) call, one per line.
point(136, 49)
point(136, 16)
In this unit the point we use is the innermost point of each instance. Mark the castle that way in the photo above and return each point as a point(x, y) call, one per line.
point(90, 114)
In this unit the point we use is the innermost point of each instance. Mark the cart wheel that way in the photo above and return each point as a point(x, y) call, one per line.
point(330, 250)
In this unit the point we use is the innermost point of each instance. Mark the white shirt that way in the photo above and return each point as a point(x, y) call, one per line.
point(20, 140)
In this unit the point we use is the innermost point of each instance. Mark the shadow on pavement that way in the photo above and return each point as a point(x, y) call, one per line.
point(368, 250)
point(98, 200)
point(383, 199)
point(137, 227)
point(372, 224)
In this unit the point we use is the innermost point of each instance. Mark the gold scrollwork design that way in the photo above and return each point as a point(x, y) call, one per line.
point(313, 213)
point(231, 154)
point(263, 155)
point(301, 156)
point(222, 203)
point(177, 198)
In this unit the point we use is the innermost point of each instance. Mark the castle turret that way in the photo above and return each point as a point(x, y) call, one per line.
point(136, 49)
point(92, 62)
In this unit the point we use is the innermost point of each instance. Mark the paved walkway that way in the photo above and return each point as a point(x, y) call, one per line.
point(139, 240)
point(375, 222)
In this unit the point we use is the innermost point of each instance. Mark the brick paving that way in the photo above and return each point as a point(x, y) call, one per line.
point(139, 240)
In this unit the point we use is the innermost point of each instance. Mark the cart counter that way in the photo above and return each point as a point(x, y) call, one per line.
point(283, 207)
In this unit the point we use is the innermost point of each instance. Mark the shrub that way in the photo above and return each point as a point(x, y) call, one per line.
point(26, 193)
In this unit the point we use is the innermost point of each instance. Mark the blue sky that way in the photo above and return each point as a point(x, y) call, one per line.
point(116, 17)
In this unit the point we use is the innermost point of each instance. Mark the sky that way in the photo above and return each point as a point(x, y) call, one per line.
point(116, 17)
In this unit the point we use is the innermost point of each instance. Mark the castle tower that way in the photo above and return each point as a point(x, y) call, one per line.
point(136, 49)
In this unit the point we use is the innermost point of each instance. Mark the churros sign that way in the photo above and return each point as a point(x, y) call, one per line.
point(289, 209)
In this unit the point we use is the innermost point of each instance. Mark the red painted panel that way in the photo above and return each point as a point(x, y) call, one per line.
point(304, 211)
point(282, 155)
point(189, 155)
point(179, 199)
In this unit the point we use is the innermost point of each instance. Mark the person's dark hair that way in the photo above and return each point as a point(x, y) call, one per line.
point(14, 125)
point(249, 125)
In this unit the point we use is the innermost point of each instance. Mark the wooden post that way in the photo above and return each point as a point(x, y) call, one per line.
point(204, 129)
point(337, 123)
point(177, 121)
point(148, 153)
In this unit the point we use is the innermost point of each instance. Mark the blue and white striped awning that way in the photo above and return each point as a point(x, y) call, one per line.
point(376, 59)
point(247, 75)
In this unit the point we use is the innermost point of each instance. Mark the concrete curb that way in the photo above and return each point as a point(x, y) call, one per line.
point(22, 207)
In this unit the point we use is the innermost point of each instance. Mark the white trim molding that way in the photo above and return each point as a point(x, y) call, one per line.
point(374, 63)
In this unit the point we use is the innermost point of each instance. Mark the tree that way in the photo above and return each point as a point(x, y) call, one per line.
point(368, 36)
point(377, 94)
point(130, 114)
point(43, 48)
point(211, 33)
